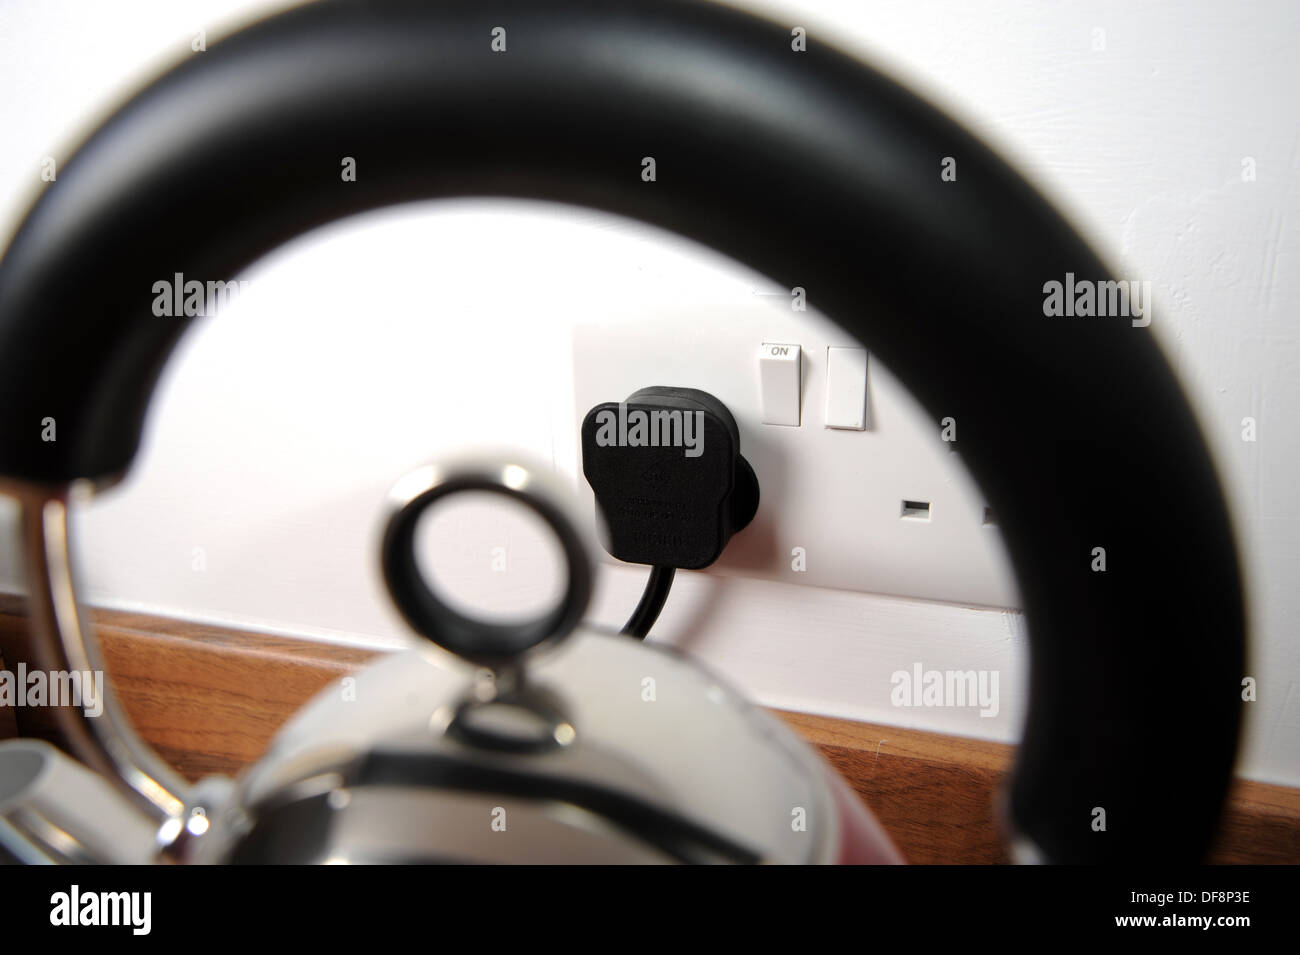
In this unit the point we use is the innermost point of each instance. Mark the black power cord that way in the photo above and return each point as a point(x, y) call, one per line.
point(652, 602)
point(670, 481)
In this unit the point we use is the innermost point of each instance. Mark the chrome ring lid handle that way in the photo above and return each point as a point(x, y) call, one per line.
point(497, 646)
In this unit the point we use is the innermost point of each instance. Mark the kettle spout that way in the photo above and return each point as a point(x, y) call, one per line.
point(61, 639)
point(54, 810)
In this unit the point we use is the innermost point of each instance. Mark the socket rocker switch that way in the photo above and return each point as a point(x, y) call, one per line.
point(779, 383)
point(846, 388)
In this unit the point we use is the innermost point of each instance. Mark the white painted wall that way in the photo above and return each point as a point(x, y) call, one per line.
point(281, 423)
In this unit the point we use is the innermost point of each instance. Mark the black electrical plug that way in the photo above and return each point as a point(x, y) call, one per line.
point(668, 475)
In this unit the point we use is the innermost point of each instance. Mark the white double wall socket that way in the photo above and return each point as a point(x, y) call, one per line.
point(858, 489)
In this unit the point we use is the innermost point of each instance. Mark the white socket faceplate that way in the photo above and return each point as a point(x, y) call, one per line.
point(887, 509)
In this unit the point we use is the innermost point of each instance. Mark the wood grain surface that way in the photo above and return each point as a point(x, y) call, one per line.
point(209, 700)
point(8, 722)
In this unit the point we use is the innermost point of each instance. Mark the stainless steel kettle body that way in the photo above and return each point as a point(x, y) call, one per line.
point(368, 773)
point(586, 747)
point(694, 774)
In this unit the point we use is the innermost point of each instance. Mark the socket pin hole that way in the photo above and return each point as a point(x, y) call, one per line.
point(916, 510)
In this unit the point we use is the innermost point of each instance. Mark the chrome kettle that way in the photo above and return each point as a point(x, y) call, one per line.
point(540, 741)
